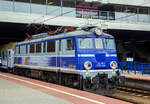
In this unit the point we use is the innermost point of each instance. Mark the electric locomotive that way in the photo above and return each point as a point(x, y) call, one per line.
point(85, 58)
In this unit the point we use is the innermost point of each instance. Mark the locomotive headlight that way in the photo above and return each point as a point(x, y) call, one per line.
point(98, 31)
point(113, 65)
point(87, 65)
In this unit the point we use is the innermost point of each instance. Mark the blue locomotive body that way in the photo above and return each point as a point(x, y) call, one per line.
point(79, 58)
point(98, 53)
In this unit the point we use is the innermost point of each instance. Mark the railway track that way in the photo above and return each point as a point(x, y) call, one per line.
point(136, 96)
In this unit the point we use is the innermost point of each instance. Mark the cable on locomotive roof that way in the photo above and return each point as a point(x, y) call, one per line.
point(36, 29)
point(48, 33)
point(64, 29)
point(47, 29)
point(92, 29)
point(28, 36)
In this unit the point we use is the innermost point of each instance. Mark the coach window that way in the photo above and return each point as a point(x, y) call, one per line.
point(60, 42)
point(44, 47)
point(23, 49)
point(38, 48)
point(3, 55)
point(0, 54)
point(15, 51)
point(51, 46)
point(26, 49)
point(18, 49)
point(70, 44)
point(32, 48)
point(9, 53)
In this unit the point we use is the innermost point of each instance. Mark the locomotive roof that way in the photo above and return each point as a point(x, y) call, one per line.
point(45, 36)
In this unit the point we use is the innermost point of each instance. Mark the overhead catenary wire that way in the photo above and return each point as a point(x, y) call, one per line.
point(52, 12)
point(43, 16)
point(42, 22)
point(57, 16)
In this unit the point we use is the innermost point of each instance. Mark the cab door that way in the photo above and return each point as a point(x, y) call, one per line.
point(66, 53)
point(59, 52)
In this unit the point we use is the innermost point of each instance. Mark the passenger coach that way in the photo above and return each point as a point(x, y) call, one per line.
point(6, 59)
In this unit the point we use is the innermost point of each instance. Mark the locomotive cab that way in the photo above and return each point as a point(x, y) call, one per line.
point(96, 53)
point(97, 60)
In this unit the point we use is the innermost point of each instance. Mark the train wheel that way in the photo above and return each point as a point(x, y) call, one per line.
point(86, 85)
point(80, 80)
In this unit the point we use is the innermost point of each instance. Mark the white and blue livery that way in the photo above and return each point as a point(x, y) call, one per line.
point(84, 58)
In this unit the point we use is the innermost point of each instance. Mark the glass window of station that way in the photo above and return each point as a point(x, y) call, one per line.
point(64, 3)
point(132, 9)
point(27, 1)
point(126, 9)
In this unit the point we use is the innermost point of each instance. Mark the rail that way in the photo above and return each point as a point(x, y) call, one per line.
point(134, 67)
point(132, 94)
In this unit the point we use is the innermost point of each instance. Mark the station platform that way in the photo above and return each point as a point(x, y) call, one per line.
point(12, 93)
point(21, 90)
point(131, 75)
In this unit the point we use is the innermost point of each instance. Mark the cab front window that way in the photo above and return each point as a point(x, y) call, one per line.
point(85, 43)
point(98, 43)
point(109, 44)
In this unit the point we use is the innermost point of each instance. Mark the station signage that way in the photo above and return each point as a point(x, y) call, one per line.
point(85, 12)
